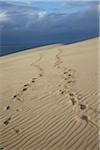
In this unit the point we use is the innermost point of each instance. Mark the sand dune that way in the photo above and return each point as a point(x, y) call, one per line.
point(49, 98)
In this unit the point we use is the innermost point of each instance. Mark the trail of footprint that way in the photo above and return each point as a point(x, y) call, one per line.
point(68, 74)
point(19, 97)
point(82, 108)
point(69, 77)
point(81, 99)
point(58, 59)
point(27, 85)
point(37, 65)
point(38, 60)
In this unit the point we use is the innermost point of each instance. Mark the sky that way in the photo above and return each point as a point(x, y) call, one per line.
point(31, 23)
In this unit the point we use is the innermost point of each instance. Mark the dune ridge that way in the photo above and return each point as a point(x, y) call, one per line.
point(49, 98)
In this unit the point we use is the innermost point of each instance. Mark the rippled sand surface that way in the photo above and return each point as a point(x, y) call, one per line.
point(49, 98)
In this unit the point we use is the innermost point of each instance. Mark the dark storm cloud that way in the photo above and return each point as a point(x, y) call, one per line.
point(34, 24)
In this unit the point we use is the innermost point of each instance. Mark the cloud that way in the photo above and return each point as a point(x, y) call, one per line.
point(47, 22)
point(42, 14)
point(3, 16)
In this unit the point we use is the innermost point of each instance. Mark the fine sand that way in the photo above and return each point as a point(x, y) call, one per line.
point(49, 98)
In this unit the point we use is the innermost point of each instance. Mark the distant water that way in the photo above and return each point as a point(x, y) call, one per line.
point(6, 49)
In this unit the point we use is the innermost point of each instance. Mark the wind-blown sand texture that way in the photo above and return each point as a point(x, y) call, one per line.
point(49, 98)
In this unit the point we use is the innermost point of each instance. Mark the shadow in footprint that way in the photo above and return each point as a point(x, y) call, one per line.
point(82, 107)
point(85, 117)
point(18, 110)
point(16, 130)
point(1, 148)
point(65, 79)
point(8, 107)
point(26, 85)
point(72, 98)
point(41, 75)
point(19, 99)
point(62, 92)
point(65, 72)
point(71, 94)
point(33, 80)
point(73, 101)
point(24, 89)
point(7, 121)
point(15, 96)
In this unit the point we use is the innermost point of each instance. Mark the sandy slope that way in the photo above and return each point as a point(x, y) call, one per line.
point(49, 98)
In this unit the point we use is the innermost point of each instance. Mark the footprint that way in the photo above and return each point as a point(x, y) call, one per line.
point(70, 81)
point(16, 130)
point(19, 99)
point(73, 100)
point(84, 117)
point(24, 89)
point(62, 91)
point(69, 75)
point(65, 72)
point(33, 80)
point(7, 121)
point(7, 108)
point(1, 148)
point(71, 70)
point(71, 94)
point(15, 96)
point(65, 79)
point(20, 93)
point(40, 74)
point(26, 85)
point(82, 107)
point(18, 110)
